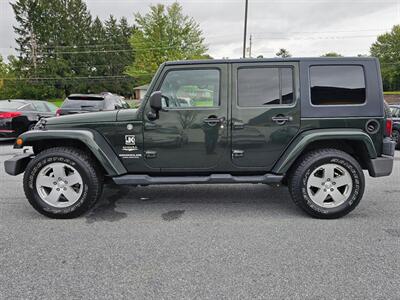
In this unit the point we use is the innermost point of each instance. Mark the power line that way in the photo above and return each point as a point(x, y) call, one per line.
point(323, 32)
point(317, 37)
point(75, 78)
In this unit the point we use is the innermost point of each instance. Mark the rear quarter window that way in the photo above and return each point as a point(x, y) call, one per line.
point(337, 85)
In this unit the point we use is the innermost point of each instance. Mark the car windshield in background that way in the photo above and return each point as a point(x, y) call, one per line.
point(13, 105)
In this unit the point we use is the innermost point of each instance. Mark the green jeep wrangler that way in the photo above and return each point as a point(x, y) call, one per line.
point(313, 124)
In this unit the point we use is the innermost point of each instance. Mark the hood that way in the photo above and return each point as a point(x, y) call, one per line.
point(93, 117)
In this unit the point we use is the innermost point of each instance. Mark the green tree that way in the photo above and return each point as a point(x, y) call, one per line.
point(331, 54)
point(47, 33)
point(387, 49)
point(60, 41)
point(163, 34)
point(3, 72)
point(283, 53)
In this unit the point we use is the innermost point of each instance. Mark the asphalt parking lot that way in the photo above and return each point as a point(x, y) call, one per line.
point(205, 242)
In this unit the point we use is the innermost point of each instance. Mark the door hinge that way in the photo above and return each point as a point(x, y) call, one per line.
point(237, 153)
point(150, 154)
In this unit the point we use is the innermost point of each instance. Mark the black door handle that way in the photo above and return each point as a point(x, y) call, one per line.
point(281, 119)
point(213, 121)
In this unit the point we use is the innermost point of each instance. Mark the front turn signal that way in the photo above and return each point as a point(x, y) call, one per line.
point(19, 142)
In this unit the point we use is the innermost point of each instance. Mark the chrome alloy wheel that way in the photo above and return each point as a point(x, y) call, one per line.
point(329, 185)
point(59, 185)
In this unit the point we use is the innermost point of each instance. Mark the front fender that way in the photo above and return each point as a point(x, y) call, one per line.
point(95, 142)
point(305, 138)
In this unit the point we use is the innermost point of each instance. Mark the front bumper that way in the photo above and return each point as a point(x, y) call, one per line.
point(383, 165)
point(17, 164)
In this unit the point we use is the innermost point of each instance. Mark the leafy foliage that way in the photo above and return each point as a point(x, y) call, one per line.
point(62, 50)
point(164, 34)
point(387, 49)
point(331, 54)
point(283, 53)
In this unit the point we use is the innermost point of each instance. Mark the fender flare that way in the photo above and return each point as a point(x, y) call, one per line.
point(297, 146)
point(95, 142)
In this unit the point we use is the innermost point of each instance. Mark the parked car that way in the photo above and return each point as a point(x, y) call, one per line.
point(395, 110)
point(311, 124)
point(18, 116)
point(84, 103)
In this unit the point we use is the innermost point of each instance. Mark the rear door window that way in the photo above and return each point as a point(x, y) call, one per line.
point(27, 107)
point(261, 86)
point(337, 85)
point(41, 107)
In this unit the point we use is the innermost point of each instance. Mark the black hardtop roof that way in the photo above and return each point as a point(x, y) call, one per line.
point(273, 60)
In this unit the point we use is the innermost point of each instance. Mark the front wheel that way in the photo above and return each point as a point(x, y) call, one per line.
point(62, 182)
point(327, 183)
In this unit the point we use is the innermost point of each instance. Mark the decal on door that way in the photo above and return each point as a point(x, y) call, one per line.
point(130, 146)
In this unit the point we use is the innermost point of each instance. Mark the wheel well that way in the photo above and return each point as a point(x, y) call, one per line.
point(39, 146)
point(354, 148)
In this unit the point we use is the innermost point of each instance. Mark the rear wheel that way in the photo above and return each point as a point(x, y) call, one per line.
point(62, 182)
point(327, 183)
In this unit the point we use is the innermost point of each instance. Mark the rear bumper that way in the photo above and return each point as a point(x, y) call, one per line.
point(383, 165)
point(17, 164)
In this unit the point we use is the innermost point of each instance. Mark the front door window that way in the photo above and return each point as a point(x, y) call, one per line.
point(191, 89)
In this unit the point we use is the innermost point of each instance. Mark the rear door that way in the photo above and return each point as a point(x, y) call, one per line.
point(265, 112)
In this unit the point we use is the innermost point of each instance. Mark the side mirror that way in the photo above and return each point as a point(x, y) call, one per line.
point(155, 105)
point(156, 101)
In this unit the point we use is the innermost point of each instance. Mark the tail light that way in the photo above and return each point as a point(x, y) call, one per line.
point(9, 115)
point(389, 127)
point(58, 112)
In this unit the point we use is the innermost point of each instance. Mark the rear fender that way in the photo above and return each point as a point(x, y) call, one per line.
point(299, 144)
point(94, 141)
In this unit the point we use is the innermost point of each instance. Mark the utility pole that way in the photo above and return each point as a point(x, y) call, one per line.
point(34, 46)
point(250, 45)
point(245, 28)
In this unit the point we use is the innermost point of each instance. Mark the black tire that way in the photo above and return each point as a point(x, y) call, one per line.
point(310, 162)
point(88, 169)
point(396, 138)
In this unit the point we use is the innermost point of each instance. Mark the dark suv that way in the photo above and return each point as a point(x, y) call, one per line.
point(83, 103)
point(311, 124)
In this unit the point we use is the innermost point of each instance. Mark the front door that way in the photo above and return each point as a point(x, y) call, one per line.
point(190, 132)
point(265, 112)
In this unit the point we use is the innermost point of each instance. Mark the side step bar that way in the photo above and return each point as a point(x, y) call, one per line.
point(214, 178)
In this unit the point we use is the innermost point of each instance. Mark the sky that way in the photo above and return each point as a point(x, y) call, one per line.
point(304, 27)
